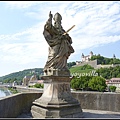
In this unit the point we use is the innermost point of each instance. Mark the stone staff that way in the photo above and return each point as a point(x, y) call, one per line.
point(68, 30)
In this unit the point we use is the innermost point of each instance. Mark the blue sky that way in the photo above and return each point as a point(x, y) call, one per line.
point(22, 44)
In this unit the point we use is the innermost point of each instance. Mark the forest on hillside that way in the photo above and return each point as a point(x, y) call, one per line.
point(105, 61)
point(108, 73)
point(18, 76)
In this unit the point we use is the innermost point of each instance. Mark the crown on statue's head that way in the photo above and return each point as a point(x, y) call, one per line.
point(57, 17)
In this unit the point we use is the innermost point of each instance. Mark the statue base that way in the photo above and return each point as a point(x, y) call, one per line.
point(56, 100)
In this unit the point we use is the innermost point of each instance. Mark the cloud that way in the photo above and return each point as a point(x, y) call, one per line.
point(21, 4)
point(91, 18)
point(23, 53)
point(24, 47)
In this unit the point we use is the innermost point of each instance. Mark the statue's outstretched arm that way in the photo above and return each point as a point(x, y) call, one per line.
point(48, 24)
point(50, 16)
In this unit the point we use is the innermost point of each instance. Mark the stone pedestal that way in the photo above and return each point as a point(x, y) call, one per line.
point(56, 100)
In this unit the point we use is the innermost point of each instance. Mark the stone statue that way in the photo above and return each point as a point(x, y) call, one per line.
point(57, 100)
point(59, 43)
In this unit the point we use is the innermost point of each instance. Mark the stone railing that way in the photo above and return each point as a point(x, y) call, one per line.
point(27, 89)
point(107, 101)
point(13, 105)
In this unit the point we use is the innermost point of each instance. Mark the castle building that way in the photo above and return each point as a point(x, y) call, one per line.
point(93, 63)
point(86, 58)
point(26, 80)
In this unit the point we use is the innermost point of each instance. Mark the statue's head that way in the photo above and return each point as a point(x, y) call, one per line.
point(57, 17)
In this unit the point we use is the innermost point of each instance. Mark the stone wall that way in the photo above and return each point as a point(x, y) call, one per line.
point(13, 105)
point(92, 63)
point(106, 101)
point(95, 64)
point(27, 89)
point(104, 66)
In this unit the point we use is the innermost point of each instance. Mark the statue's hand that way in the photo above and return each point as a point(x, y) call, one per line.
point(50, 15)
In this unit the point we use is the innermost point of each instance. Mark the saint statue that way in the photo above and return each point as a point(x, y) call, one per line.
point(59, 43)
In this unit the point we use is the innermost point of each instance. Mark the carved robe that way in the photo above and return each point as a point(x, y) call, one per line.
point(59, 47)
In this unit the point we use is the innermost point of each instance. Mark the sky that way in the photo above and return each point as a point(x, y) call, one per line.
point(23, 46)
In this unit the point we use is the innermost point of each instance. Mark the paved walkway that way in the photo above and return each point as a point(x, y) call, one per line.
point(88, 114)
point(100, 114)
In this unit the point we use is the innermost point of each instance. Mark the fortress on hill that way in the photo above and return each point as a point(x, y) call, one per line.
point(93, 63)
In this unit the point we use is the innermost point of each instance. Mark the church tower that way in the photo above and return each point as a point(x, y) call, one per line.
point(82, 57)
point(114, 56)
point(91, 54)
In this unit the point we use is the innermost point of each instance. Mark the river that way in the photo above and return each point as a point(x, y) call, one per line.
point(4, 92)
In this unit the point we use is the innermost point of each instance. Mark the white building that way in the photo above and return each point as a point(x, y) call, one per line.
point(86, 58)
point(114, 82)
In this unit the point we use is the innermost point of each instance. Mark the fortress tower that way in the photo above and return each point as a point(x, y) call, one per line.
point(86, 58)
point(114, 56)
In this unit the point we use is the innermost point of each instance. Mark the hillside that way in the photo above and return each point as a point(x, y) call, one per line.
point(18, 76)
point(82, 70)
point(107, 73)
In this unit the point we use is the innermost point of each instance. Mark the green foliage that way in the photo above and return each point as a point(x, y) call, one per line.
point(80, 82)
point(75, 83)
point(70, 64)
point(97, 83)
point(86, 66)
point(81, 69)
point(108, 73)
point(116, 61)
point(99, 58)
point(37, 85)
point(12, 90)
point(104, 60)
point(112, 88)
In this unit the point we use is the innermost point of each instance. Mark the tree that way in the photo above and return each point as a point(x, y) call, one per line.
point(112, 88)
point(37, 85)
point(79, 83)
point(103, 60)
point(97, 83)
point(110, 72)
point(86, 66)
point(70, 64)
point(75, 84)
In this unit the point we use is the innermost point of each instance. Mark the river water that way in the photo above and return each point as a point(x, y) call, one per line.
point(4, 92)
